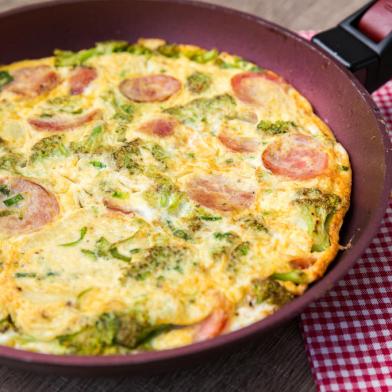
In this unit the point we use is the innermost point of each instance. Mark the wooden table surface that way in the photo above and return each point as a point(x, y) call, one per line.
point(275, 363)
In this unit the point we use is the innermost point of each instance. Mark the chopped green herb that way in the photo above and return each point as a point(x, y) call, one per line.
point(83, 232)
point(14, 200)
point(98, 164)
point(120, 195)
point(178, 232)
point(295, 276)
point(210, 218)
point(117, 255)
point(242, 249)
point(344, 168)
point(89, 253)
point(228, 236)
point(25, 275)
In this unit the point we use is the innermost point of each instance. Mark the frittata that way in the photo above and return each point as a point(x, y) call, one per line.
point(154, 195)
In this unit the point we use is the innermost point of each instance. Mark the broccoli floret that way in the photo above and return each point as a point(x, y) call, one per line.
point(164, 194)
point(11, 161)
point(67, 58)
point(93, 144)
point(255, 223)
point(5, 78)
point(48, 147)
point(129, 156)
point(237, 62)
point(200, 55)
point(270, 291)
point(159, 154)
point(6, 324)
point(317, 208)
point(198, 82)
point(169, 50)
point(110, 332)
point(275, 128)
point(139, 49)
point(201, 109)
point(158, 259)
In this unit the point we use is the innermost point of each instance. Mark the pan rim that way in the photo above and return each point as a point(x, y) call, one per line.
point(290, 310)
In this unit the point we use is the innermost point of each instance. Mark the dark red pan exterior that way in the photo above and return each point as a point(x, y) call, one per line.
point(336, 95)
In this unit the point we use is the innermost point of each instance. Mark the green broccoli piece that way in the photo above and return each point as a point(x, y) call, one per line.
point(139, 49)
point(159, 154)
point(94, 339)
point(49, 147)
point(93, 144)
point(11, 161)
point(158, 259)
point(129, 156)
point(5, 78)
point(6, 324)
point(198, 82)
point(110, 332)
point(67, 58)
point(270, 291)
point(317, 209)
point(255, 223)
point(237, 63)
point(164, 194)
point(275, 128)
point(199, 55)
point(169, 50)
point(201, 109)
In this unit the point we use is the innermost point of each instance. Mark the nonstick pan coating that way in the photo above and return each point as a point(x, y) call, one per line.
point(338, 98)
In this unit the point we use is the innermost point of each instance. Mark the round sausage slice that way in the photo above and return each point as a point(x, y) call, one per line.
point(111, 205)
point(151, 88)
point(58, 124)
point(239, 143)
point(217, 192)
point(33, 81)
point(255, 87)
point(80, 79)
point(214, 324)
point(25, 206)
point(161, 127)
point(298, 157)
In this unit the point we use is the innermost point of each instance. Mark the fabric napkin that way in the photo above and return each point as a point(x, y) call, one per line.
point(348, 333)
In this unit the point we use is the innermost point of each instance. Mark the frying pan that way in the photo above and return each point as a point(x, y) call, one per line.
point(336, 94)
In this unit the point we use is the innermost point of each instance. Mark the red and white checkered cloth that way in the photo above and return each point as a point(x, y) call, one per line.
point(348, 333)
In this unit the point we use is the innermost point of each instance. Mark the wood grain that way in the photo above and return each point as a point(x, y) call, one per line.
point(277, 362)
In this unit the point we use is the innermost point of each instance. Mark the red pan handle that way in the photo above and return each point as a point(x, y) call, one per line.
point(363, 43)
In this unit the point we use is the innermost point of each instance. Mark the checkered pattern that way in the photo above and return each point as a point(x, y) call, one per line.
point(348, 333)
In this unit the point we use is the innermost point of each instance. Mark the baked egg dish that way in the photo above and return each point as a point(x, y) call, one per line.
point(154, 195)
